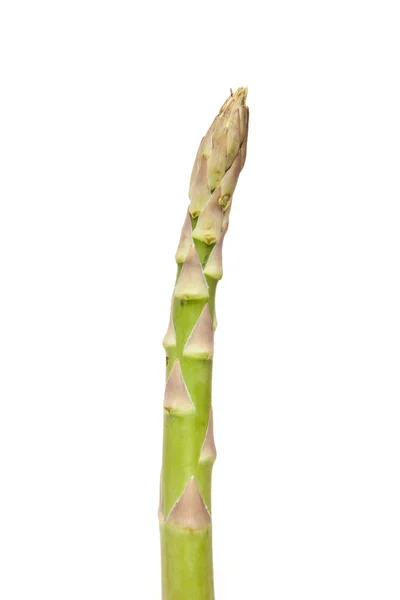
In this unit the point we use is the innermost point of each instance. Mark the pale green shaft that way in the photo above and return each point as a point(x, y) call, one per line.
point(188, 446)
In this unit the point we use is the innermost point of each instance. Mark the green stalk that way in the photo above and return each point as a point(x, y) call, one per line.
point(188, 449)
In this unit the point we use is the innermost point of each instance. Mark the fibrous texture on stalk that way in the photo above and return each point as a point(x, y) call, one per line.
point(188, 447)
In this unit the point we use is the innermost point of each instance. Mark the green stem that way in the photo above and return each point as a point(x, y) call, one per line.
point(188, 446)
point(187, 553)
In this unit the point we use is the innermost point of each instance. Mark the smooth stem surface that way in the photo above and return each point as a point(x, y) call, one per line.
point(187, 570)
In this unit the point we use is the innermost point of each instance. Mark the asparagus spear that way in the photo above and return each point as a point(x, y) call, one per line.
point(188, 448)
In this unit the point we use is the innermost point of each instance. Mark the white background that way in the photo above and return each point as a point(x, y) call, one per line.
point(103, 105)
